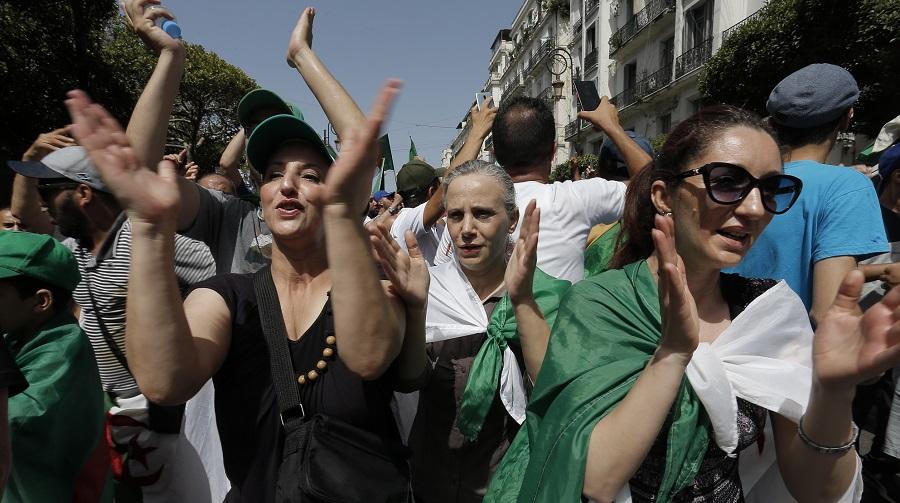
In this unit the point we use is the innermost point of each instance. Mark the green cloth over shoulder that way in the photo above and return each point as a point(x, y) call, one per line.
point(600, 252)
point(57, 423)
point(607, 329)
point(484, 377)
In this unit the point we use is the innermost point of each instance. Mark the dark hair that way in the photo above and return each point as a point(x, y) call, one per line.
point(26, 286)
point(686, 142)
point(524, 134)
point(419, 195)
point(797, 137)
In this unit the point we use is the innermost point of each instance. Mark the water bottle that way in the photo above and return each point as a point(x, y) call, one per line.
point(168, 25)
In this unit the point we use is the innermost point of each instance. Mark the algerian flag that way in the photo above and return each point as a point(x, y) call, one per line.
point(412, 149)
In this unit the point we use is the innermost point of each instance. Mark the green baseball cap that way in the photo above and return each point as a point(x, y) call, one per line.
point(260, 98)
point(414, 175)
point(276, 131)
point(37, 256)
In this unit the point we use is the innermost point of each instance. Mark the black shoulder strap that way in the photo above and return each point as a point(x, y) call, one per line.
point(276, 340)
point(110, 342)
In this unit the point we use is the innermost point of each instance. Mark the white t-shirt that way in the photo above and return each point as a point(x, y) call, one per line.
point(434, 242)
point(568, 211)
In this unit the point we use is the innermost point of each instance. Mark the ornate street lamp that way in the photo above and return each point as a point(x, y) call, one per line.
point(558, 62)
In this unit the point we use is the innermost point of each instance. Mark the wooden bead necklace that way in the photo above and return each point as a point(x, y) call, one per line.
point(321, 365)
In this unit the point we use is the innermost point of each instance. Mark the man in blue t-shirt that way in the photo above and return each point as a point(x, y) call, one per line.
point(836, 221)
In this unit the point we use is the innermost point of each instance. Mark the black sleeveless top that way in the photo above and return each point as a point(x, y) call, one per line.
point(246, 407)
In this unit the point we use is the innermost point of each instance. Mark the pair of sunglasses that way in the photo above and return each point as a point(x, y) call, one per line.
point(728, 183)
point(46, 190)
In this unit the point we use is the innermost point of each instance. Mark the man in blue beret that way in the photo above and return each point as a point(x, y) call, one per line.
point(836, 221)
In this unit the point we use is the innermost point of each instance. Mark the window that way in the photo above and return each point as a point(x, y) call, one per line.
point(591, 39)
point(666, 52)
point(664, 123)
point(629, 75)
point(698, 25)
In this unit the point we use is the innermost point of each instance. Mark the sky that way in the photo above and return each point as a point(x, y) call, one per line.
point(439, 48)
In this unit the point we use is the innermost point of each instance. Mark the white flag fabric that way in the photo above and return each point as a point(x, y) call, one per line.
point(764, 357)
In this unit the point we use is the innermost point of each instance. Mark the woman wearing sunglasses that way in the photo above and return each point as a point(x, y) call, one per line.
point(665, 378)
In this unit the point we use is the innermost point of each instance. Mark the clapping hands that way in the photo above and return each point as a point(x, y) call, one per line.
point(519, 275)
point(407, 271)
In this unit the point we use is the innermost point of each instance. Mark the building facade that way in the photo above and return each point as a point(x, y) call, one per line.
point(645, 54)
point(650, 55)
point(525, 60)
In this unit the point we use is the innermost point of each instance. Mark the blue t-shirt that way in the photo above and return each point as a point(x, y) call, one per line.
point(837, 214)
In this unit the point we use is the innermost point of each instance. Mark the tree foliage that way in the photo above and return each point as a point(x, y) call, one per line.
point(48, 47)
point(861, 36)
point(206, 105)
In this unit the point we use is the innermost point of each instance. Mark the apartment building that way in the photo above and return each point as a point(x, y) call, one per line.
point(647, 55)
point(525, 61)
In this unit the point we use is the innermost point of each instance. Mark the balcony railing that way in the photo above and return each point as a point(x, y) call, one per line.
point(546, 95)
point(513, 91)
point(655, 81)
point(637, 22)
point(576, 26)
point(590, 6)
point(727, 33)
point(694, 58)
point(625, 98)
point(644, 87)
point(575, 127)
point(590, 60)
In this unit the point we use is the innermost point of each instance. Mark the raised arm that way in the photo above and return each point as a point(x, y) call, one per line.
point(368, 325)
point(343, 113)
point(621, 440)
point(534, 333)
point(150, 119)
point(849, 348)
point(230, 161)
point(482, 122)
point(170, 357)
point(26, 202)
point(606, 118)
point(408, 277)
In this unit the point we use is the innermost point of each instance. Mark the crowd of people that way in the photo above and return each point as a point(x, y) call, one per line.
point(714, 321)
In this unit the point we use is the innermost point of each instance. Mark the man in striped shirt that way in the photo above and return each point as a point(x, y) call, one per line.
point(99, 235)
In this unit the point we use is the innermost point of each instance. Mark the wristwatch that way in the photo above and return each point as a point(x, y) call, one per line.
point(393, 210)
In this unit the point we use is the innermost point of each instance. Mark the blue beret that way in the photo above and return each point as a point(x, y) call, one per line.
point(889, 161)
point(812, 96)
point(610, 150)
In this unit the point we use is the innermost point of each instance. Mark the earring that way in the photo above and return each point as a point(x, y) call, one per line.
point(665, 213)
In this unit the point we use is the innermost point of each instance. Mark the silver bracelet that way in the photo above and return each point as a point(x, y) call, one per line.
point(841, 449)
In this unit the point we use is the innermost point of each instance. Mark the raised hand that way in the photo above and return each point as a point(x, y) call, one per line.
point(851, 347)
point(146, 196)
point(520, 269)
point(48, 142)
point(302, 36)
point(605, 117)
point(483, 120)
point(349, 181)
point(142, 15)
point(191, 171)
point(407, 271)
point(680, 323)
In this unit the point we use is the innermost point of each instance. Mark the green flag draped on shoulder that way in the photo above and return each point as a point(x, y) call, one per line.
point(484, 377)
point(607, 328)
